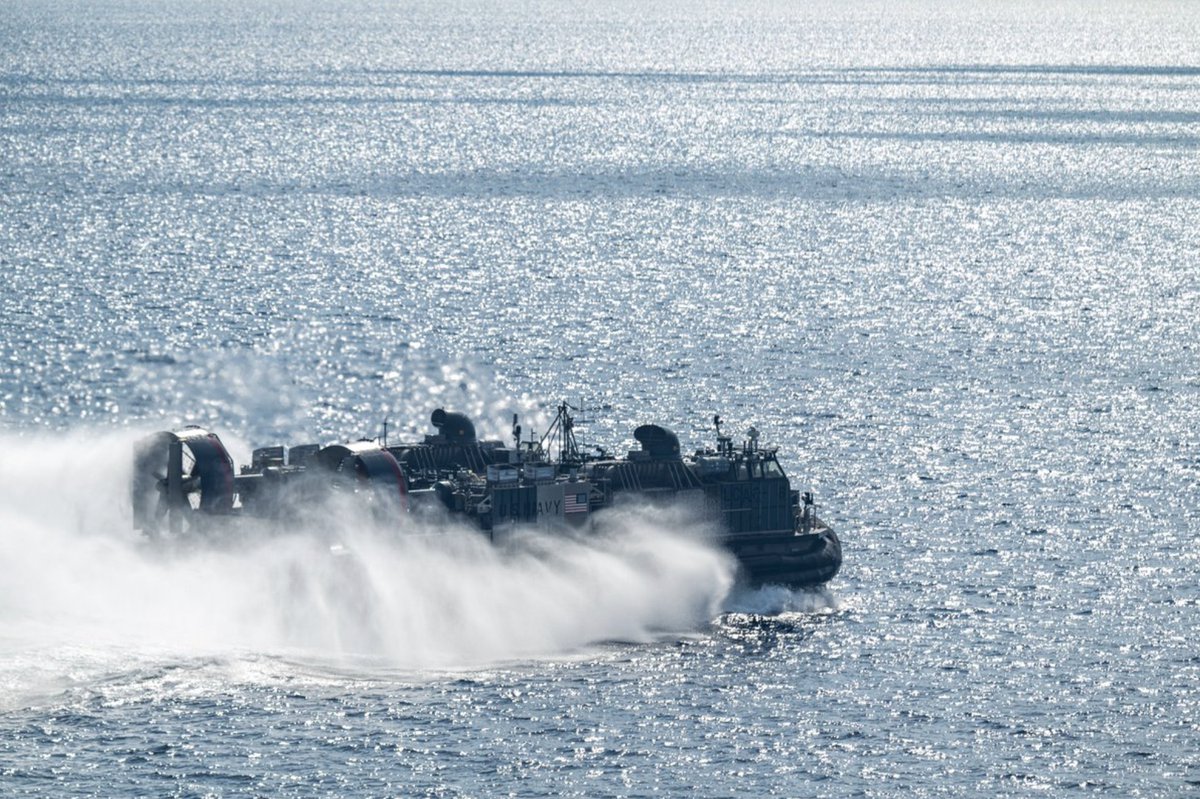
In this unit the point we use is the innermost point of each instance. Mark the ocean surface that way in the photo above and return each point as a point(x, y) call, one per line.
point(946, 256)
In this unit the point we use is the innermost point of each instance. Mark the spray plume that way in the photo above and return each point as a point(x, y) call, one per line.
point(75, 578)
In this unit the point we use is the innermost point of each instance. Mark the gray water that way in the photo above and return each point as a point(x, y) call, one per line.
point(943, 255)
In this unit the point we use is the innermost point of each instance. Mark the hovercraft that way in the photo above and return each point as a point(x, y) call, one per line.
point(185, 484)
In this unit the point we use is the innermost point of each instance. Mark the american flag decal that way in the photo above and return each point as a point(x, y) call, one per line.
point(575, 503)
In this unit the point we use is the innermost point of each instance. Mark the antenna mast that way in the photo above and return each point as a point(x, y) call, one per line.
point(562, 434)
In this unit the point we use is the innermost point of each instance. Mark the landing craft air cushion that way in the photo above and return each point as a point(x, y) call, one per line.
point(184, 483)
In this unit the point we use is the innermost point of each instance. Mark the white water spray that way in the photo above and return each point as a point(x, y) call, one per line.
point(75, 577)
point(775, 600)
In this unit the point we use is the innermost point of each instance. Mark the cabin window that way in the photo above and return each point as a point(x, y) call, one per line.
point(741, 471)
point(772, 469)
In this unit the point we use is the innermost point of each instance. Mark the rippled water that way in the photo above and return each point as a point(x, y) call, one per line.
point(944, 257)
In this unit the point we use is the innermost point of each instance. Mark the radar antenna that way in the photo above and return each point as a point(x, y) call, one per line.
point(752, 433)
point(724, 443)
